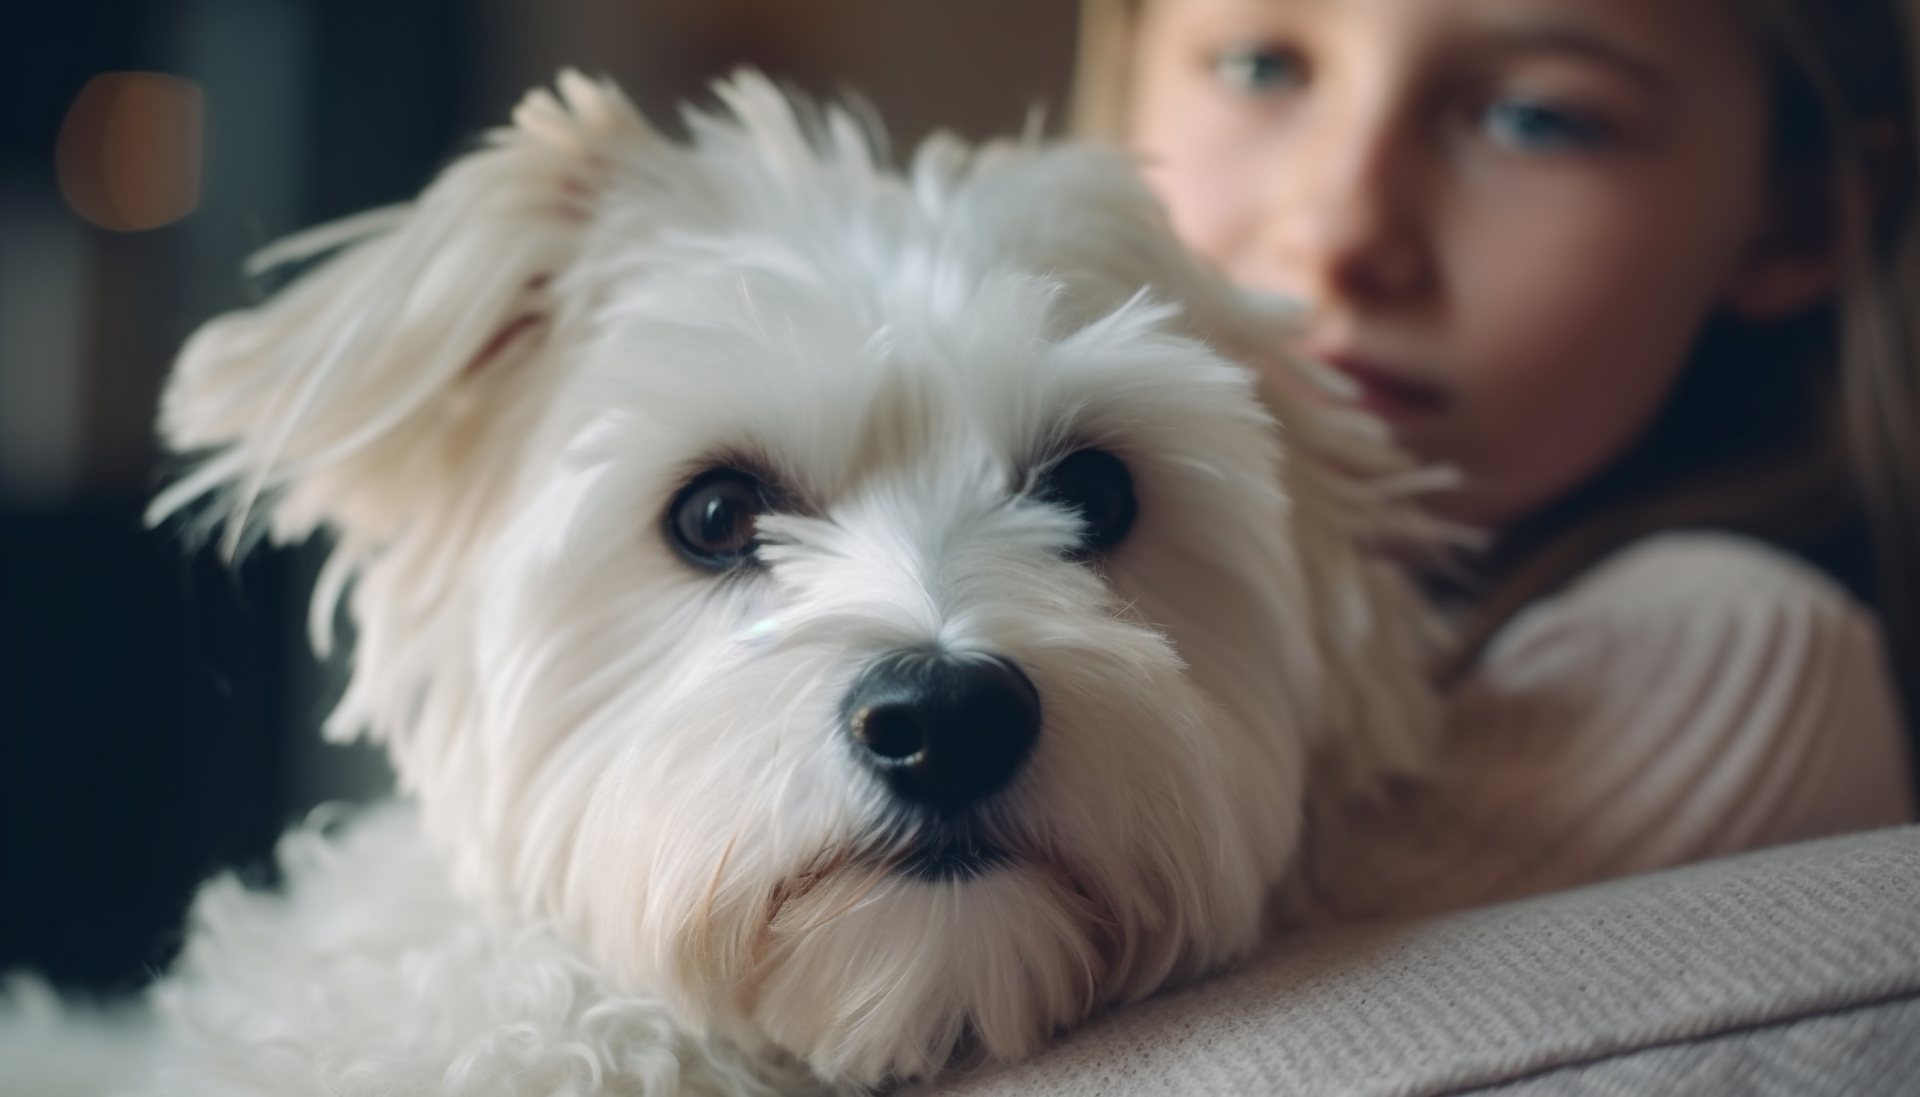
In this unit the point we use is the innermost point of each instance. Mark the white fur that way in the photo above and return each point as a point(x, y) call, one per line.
point(649, 863)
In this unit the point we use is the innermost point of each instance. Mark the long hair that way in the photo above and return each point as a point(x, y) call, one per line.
point(1803, 432)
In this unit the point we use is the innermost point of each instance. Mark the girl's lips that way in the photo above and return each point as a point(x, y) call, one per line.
point(1383, 393)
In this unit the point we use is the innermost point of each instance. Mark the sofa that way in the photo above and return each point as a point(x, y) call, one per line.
point(1792, 971)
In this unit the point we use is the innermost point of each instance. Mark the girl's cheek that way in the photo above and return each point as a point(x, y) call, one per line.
point(1199, 172)
point(1567, 334)
point(1205, 155)
point(1565, 277)
point(1207, 202)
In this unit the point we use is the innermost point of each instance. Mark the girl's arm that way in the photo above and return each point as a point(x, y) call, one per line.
point(1696, 695)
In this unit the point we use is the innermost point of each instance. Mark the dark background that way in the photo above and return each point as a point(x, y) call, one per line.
point(158, 710)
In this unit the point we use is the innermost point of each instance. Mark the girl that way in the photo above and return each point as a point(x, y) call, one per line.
point(1645, 273)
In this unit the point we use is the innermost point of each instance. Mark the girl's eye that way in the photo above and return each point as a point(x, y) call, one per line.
point(1531, 126)
point(1259, 69)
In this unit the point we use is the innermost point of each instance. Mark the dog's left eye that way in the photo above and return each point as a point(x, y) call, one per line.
point(711, 522)
point(1097, 485)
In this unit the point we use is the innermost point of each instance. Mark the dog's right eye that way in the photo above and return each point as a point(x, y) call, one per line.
point(711, 522)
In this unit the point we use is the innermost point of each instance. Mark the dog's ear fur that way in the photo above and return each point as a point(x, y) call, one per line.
point(1361, 535)
point(394, 385)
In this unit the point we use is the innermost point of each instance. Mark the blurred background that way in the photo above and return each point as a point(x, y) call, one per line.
point(159, 710)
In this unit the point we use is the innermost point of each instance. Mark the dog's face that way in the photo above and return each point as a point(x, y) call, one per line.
point(867, 611)
point(840, 666)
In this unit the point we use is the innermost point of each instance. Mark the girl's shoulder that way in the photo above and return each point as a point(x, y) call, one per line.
point(1721, 679)
point(1707, 596)
point(1693, 695)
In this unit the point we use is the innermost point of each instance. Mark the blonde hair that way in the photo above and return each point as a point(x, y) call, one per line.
point(1100, 76)
point(1834, 395)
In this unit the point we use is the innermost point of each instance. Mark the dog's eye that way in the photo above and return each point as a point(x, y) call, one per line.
point(1097, 485)
point(711, 522)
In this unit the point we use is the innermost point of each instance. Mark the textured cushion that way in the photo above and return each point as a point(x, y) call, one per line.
point(1744, 975)
point(1869, 1050)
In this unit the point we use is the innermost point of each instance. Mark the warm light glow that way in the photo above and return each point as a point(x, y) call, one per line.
point(129, 151)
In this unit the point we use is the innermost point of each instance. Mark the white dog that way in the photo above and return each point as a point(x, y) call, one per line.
point(830, 622)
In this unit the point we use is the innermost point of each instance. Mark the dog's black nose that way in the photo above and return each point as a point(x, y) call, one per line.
point(943, 729)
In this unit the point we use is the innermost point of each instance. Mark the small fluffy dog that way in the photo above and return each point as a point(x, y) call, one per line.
point(829, 622)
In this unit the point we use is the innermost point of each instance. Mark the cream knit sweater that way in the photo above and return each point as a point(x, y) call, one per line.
point(1695, 695)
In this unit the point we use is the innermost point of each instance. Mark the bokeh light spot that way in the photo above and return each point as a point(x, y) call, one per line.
point(129, 150)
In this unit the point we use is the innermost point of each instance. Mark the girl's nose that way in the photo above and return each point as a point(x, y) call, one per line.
point(1350, 220)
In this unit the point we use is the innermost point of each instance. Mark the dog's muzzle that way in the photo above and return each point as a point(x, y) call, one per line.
point(944, 730)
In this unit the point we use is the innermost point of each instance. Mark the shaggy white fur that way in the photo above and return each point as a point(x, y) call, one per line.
point(642, 459)
point(406, 988)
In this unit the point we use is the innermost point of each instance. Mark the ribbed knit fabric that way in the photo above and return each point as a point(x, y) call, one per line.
point(1449, 1003)
point(1693, 696)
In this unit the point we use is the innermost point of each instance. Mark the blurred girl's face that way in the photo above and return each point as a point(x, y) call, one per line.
point(1510, 217)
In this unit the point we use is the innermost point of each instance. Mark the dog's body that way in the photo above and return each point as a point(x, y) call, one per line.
point(829, 621)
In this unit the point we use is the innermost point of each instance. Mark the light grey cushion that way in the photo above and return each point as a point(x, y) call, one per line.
point(1870, 1050)
point(1727, 977)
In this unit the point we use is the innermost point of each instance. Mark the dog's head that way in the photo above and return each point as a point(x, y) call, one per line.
point(873, 611)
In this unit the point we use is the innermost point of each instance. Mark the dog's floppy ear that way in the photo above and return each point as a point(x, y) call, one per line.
point(396, 383)
point(1362, 533)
